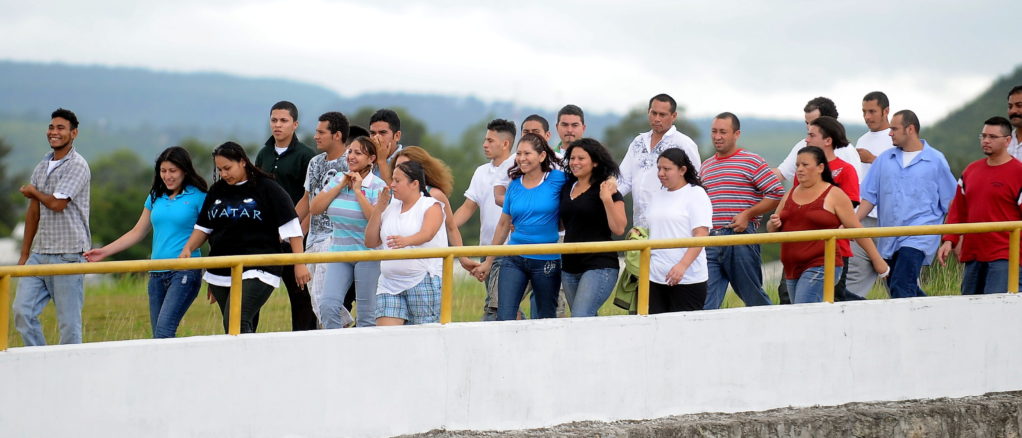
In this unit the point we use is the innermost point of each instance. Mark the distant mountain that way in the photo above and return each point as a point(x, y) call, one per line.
point(146, 111)
point(956, 135)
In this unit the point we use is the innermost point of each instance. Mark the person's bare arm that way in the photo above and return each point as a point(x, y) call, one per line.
point(431, 223)
point(132, 237)
point(498, 195)
point(741, 220)
point(46, 199)
point(849, 219)
point(31, 226)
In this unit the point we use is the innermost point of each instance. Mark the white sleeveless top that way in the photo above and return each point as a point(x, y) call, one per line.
point(397, 276)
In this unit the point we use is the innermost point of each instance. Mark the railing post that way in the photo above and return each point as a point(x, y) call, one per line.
point(1013, 261)
point(5, 310)
point(643, 307)
point(829, 251)
point(447, 290)
point(234, 322)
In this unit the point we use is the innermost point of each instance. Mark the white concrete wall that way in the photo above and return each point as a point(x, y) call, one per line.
point(383, 382)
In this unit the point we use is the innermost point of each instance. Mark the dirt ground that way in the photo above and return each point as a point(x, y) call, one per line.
point(992, 415)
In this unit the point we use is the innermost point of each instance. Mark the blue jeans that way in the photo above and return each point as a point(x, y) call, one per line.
point(67, 293)
point(738, 265)
point(904, 279)
point(339, 277)
point(808, 287)
point(986, 277)
point(587, 291)
point(170, 295)
point(515, 272)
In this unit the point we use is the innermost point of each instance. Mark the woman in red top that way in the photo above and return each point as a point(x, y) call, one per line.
point(812, 205)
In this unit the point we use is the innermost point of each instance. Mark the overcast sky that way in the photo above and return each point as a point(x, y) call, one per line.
point(751, 58)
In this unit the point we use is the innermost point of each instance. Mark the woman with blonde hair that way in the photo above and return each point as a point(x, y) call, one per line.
point(439, 184)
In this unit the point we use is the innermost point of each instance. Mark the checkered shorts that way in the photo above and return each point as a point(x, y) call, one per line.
point(418, 305)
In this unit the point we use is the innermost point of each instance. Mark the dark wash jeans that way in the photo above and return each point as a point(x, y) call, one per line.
point(515, 272)
point(170, 295)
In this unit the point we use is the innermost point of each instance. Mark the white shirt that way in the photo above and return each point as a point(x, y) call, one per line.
point(397, 276)
point(1013, 147)
point(848, 154)
point(674, 215)
point(639, 172)
point(480, 191)
point(876, 142)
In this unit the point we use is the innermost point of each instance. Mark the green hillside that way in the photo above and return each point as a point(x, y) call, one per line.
point(956, 134)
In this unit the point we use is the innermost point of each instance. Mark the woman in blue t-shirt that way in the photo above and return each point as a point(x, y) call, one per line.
point(531, 205)
point(170, 210)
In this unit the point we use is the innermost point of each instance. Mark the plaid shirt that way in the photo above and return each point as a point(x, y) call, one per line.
point(65, 231)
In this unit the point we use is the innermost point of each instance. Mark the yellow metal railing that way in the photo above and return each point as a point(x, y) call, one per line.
point(236, 263)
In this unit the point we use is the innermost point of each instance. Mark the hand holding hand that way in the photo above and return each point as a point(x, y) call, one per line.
point(468, 264)
point(95, 255)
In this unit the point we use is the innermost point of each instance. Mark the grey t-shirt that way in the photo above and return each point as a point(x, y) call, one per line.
point(320, 172)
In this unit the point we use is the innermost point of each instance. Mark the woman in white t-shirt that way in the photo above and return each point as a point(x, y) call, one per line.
point(681, 208)
point(408, 290)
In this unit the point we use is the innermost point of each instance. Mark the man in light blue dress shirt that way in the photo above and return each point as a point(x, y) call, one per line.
point(910, 184)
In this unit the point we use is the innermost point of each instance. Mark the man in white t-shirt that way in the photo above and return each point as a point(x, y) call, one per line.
point(875, 110)
point(1015, 117)
point(500, 136)
point(816, 107)
point(638, 168)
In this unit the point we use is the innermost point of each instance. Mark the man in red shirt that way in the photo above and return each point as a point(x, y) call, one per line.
point(990, 190)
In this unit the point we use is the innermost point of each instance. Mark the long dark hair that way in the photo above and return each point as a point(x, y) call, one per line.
point(180, 158)
point(415, 172)
point(820, 157)
point(367, 146)
point(680, 159)
point(539, 145)
point(234, 152)
point(600, 156)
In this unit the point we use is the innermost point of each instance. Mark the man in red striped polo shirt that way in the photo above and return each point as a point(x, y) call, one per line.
point(742, 188)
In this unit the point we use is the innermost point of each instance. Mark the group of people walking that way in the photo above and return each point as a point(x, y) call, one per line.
point(366, 191)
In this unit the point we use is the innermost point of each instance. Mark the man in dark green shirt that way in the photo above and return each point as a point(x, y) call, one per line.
point(287, 159)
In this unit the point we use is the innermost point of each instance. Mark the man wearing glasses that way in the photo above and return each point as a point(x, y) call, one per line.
point(910, 184)
point(990, 191)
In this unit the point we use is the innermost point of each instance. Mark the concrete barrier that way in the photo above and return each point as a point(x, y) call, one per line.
point(513, 375)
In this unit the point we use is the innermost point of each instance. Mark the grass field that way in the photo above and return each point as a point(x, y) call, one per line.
point(116, 308)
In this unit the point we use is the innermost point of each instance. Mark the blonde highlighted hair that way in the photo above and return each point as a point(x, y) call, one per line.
point(438, 174)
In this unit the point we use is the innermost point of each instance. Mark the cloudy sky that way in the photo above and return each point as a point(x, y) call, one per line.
point(752, 58)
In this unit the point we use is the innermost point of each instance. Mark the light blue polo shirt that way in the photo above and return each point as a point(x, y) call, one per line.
point(173, 221)
point(917, 194)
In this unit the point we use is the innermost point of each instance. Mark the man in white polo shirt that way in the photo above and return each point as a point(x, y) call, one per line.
point(500, 136)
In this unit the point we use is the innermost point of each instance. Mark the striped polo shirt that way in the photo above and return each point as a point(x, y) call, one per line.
point(737, 182)
point(348, 224)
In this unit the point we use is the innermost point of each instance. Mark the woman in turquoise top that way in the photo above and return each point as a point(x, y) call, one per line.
point(532, 206)
point(349, 200)
point(170, 210)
